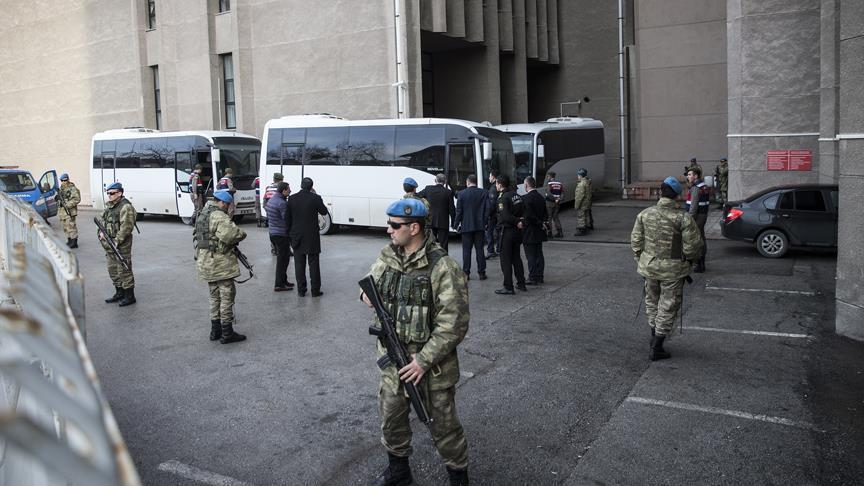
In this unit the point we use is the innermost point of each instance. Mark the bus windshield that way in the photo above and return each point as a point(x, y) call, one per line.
point(241, 155)
point(502, 154)
point(16, 182)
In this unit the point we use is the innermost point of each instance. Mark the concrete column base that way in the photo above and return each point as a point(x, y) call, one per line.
point(850, 320)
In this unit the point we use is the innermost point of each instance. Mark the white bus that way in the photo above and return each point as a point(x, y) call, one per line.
point(154, 167)
point(358, 166)
point(561, 145)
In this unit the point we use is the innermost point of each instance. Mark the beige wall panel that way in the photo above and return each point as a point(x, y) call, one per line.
point(681, 91)
point(683, 45)
point(677, 138)
point(655, 13)
point(225, 32)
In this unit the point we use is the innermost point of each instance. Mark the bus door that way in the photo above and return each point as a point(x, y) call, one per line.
point(461, 162)
point(205, 158)
point(182, 172)
point(108, 158)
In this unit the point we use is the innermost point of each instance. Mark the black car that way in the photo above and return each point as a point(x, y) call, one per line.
point(782, 217)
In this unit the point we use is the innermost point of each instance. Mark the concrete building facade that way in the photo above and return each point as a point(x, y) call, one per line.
point(674, 79)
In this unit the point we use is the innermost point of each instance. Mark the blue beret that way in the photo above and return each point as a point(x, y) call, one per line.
point(673, 183)
point(64, 177)
point(115, 185)
point(224, 196)
point(407, 208)
point(410, 182)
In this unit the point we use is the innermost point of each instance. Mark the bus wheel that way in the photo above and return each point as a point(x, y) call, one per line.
point(325, 224)
point(188, 221)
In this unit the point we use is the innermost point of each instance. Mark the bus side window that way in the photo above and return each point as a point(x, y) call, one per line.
point(184, 169)
point(420, 147)
point(460, 165)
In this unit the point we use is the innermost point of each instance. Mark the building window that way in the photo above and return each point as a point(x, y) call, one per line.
point(158, 104)
point(224, 5)
point(427, 80)
point(151, 14)
point(228, 75)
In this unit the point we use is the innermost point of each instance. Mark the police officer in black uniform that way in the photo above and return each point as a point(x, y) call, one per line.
point(510, 212)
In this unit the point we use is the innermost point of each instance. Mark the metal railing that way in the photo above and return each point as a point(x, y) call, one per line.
point(55, 425)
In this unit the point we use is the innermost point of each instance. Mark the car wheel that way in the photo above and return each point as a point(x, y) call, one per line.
point(188, 221)
point(772, 244)
point(325, 224)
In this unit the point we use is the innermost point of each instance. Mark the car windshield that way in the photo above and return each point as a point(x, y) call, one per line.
point(240, 155)
point(16, 182)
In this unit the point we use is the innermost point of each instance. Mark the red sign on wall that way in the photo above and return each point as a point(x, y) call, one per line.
point(789, 160)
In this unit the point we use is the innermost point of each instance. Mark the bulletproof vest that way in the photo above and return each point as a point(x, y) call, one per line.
point(663, 234)
point(517, 206)
point(270, 190)
point(555, 188)
point(704, 200)
point(408, 298)
point(111, 217)
point(201, 237)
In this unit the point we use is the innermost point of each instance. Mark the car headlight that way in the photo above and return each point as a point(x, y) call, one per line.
point(40, 201)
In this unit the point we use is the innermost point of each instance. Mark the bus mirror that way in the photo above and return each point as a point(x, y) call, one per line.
point(541, 151)
point(487, 150)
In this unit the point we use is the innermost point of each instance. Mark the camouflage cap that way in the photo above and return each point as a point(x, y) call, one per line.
point(407, 208)
point(278, 176)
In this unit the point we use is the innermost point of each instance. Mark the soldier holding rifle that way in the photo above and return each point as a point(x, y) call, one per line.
point(425, 292)
point(115, 234)
point(216, 238)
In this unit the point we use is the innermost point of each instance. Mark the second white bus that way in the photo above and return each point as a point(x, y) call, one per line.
point(560, 145)
point(358, 166)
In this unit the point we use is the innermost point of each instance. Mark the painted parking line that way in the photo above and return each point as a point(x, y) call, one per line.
point(721, 411)
point(791, 292)
point(742, 331)
point(199, 475)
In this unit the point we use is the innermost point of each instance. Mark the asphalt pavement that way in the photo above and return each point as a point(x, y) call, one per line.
point(557, 387)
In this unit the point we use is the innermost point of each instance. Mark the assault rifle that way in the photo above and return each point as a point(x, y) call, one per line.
point(395, 351)
point(244, 261)
point(62, 202)
point(111, 244)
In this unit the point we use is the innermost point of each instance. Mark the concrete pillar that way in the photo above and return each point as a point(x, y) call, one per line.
point(456, 18)
point(829, 91)
point(474, 20)
point(542, 31)
point(850, 265)
point(531, 28)
point(552, 27)
point(514, 74)
point(774, 89)
point(505, 25)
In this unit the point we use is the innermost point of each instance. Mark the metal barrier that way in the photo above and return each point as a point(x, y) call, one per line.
point(55, 425)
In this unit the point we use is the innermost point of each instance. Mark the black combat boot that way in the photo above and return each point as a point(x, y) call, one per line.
point(398, 473)
point(69, 242)
point(128, 297)
point(559, 234)
point(657, 351)
point(229, 336)
point(118, 294)
point(699, 267)
point(73, 243)
point(458, 477)
point(580, 232)
point(215, 330)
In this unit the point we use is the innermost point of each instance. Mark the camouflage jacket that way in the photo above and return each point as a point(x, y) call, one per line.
point(582, 197)
point(721, 175)
point(664, 238)
point(219, 263)
point(119, 220)
point(448, 317)
point(71, 198)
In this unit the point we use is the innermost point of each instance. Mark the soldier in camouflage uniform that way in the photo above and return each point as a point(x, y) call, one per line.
point(582, 202)
point(119, 220)
point(664, 241)
point(692, 165)
point(721, 180)
point(215, 237)
point(426, 293)
point(410, 187)
point(71, 197)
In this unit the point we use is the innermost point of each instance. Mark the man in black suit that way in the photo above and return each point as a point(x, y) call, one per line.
point(301, 219)
point(441, 203)
point(472, 212)
point(534, 235)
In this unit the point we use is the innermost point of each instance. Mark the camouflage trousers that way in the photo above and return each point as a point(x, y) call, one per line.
point(222, 293)
point(582, 218)
point(70, 229)
point(120, 276)
point(446, 429)
point(662, 303)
